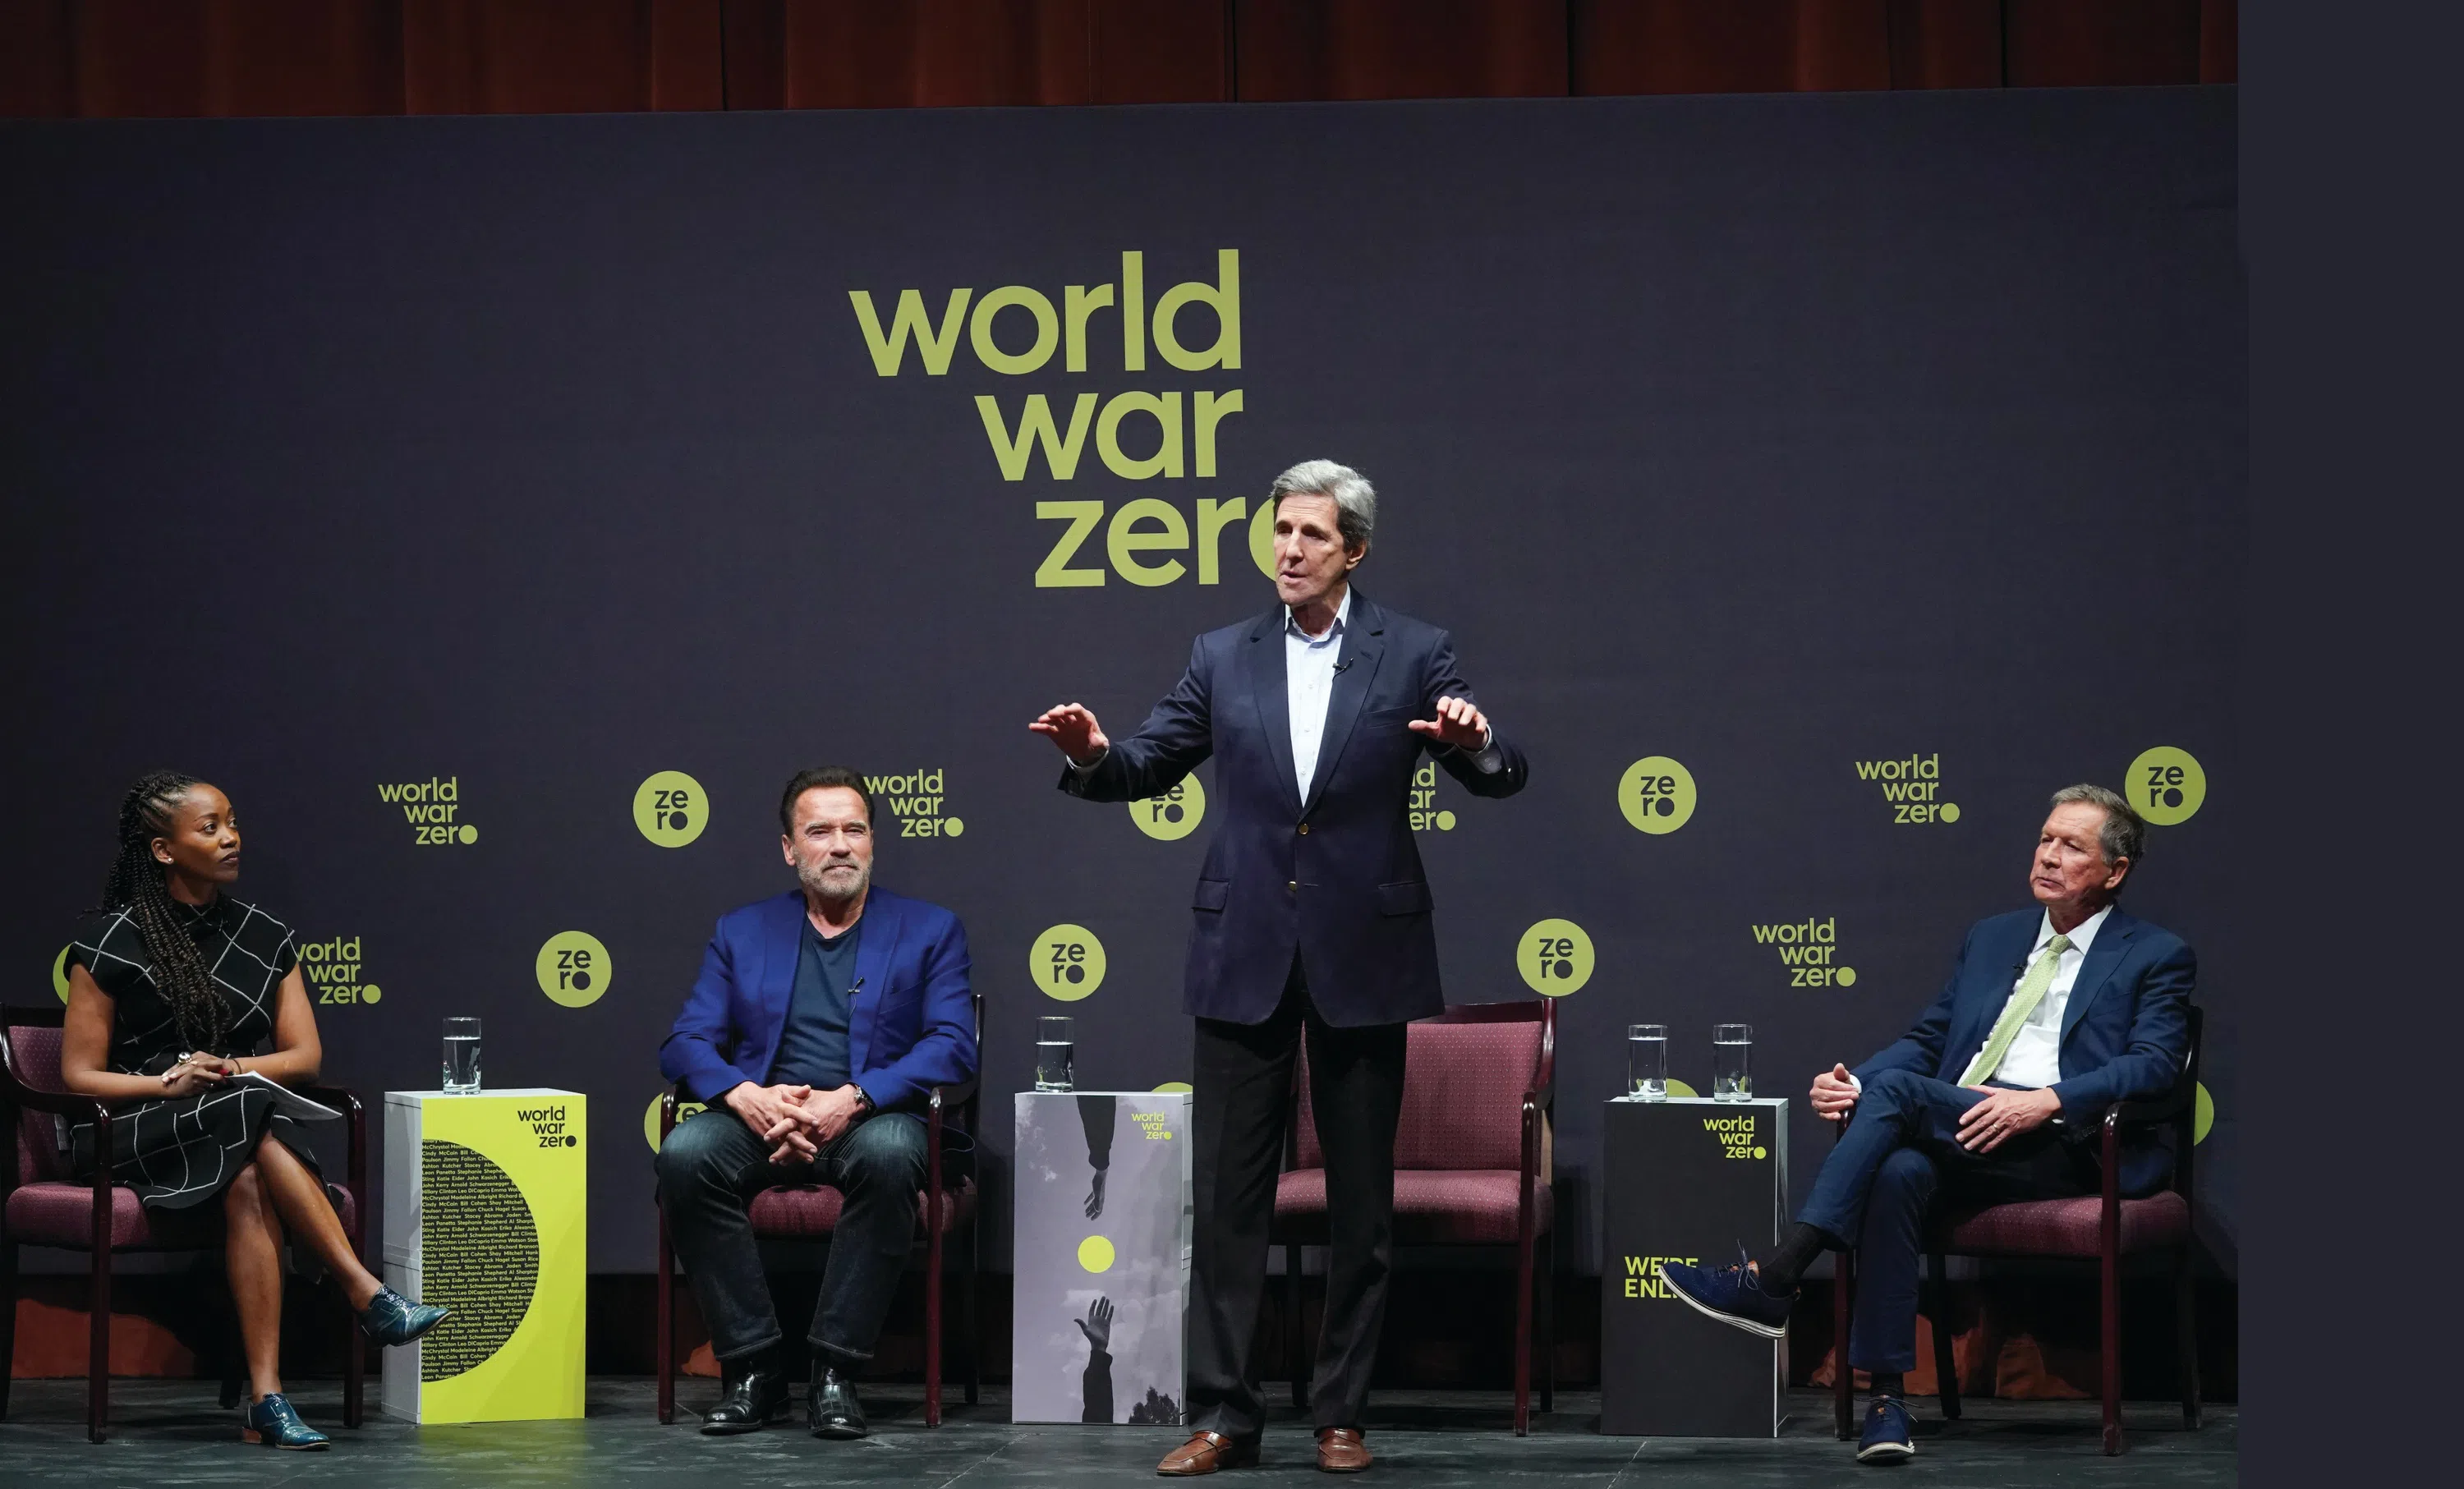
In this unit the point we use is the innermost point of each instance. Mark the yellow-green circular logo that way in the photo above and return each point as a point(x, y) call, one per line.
point(61, 974)
point(671, 808)
point(573, 968)
point(371, 994)
point(1656, 795)
point(2167, 785)
point(1555, 957)
point(650, 1118)
point(1170, 1087)
point(1095, 1254)
point(1262, 539)
point(1175, 814)
point(1677, 1087)
point(1067, 962)
point(2203, 1115)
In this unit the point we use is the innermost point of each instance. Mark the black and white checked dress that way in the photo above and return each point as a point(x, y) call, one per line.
point(184, 1151)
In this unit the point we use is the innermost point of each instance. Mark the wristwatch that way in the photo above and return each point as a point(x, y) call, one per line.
point(864, 1107)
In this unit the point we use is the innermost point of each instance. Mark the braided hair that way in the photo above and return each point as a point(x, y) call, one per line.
point(138, 885)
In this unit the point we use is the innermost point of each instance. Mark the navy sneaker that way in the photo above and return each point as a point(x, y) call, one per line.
point(1886, 1438)
point(1732, 1295)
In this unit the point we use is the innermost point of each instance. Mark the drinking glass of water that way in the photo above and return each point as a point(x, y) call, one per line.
point(461, 1057)
point(1733, 1048)
point(1056, 1054)
point(1646, 1061)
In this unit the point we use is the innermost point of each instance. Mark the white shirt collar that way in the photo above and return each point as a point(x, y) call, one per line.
point(2082, 935)
point(1342, 613)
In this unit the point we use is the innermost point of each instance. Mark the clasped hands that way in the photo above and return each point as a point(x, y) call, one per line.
point(794, 1120)
point(2002, 1115)
point(196, 1073)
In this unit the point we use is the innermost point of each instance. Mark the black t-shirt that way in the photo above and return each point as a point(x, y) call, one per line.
point(813, 1047)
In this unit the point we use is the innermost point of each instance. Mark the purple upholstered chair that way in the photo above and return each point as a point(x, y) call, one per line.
point(41, 1205)
point(1471, 1168)
point(2102, 1228)
point(810, 1212)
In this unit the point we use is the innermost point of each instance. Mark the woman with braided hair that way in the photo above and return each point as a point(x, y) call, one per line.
point(174, 988)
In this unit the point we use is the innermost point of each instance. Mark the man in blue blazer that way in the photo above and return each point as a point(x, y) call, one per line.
point(1310, 919)
point(821, 1020)
point(2050, 1016)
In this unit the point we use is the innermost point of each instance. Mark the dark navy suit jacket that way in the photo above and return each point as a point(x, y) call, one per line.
point(911, 1021)
point(1336, 879)
point(2125, 1030)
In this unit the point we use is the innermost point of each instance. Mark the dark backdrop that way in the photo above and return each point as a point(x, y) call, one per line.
point(1772, 435)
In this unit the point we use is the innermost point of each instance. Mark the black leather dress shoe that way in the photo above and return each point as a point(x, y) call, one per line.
point(831, 1409)
point(755, 1397)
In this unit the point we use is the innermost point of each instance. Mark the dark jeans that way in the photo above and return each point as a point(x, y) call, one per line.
point(1900, 1155)
point(1244, 1101)
point(711, 1168)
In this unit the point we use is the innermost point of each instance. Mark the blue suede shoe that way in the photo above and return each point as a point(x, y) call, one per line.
point(1732, 1295)
point(273, 1423)
point(392, 1319)
point(1887, 1436)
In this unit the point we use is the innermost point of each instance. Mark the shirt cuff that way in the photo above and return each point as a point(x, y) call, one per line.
point(1076, 769)
point(1855, 1085)
point(1489, 760)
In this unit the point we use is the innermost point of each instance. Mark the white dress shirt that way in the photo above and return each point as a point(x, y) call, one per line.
point(2035, 1058)
point(1310, 668)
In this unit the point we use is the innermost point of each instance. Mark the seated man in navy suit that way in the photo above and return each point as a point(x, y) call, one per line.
point(2050, 1016)
point(821, 1020)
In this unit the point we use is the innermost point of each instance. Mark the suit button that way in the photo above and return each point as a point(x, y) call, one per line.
point(1303, 829)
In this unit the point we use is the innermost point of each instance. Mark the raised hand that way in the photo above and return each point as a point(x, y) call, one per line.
point(1097, 1325)
point(1835, 1095)
point(1072, 729)
point(1457, 723)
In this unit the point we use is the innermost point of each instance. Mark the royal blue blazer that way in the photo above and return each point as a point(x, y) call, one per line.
point(911, 1022)
point(2125, 1030)
point(1334, 880)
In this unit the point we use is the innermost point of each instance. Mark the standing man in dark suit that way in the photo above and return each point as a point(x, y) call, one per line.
point(1312, 922)
point(2050, 1016)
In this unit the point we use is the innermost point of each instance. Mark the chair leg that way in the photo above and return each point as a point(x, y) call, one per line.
point(1843, 1404)
point(1946, 1359)
point(2186, 1335)
point(7, 1320)
point(1293, 1351)
point(1524, 1334)
point(664, 1342)
point(355, 1366)
point(2109, 1346)
point(97, 1359)
point(975, 1338)
point(1548, 1324)
point(933, 1309)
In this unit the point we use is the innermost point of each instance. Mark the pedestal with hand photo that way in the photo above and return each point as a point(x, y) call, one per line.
point(1687, 1179)
point(1102, 1257)
point(486, 1213)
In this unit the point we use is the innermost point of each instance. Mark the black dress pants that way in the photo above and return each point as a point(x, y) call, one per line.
point(1243, 1100)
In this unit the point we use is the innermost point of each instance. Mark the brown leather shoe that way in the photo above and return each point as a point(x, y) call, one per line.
point(1207, 1452)
point(1340, 1451)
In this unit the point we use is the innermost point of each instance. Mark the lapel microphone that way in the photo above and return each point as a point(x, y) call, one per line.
point(1340, 666)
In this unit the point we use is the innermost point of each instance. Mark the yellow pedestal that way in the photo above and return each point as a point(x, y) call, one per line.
point(486, 1213)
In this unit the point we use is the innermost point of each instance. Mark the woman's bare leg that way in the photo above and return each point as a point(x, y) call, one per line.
point(253, 1259)
point(298, 1197)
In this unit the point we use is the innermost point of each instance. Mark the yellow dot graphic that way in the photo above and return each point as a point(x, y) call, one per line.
point(1171, 1085)
point(2167, 785)
point(1262, 539)
point(670, 809)
point(1554, 957)
point(952, 826)
point(1656, 795)
point(1762, 1152)
point(1845, 976)
point(61, 974)
point(1095, 1254)
point(2203, 1115)
point(1949, 812)
point(470, 833)
point(1445, 821)
point(574, 968)
point(650, 1118)
point(1677, 1087)
point(372, 993)
point(1173, 815)
point(1065, 962)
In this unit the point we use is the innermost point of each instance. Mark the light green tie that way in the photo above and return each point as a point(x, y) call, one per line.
point(2024, 999)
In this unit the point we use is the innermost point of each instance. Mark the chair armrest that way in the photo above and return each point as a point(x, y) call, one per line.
point(2154, 1112)
point(63, 1103)
point(958, 1095)
point(1542, 1097)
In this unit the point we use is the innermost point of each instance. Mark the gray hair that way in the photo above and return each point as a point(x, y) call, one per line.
point(2125, 833)
point(1355, 500)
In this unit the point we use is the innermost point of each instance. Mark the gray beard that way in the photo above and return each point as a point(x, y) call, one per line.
point(821, 888)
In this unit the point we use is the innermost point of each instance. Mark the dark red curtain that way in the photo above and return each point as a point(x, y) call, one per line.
point(108, 58)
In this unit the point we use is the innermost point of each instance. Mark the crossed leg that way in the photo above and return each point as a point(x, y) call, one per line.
point(274, 1195)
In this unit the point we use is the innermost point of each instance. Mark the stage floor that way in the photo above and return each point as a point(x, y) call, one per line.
point(168, 1432)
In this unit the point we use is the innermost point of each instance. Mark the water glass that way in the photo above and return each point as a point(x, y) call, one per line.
point(1646, 1061)
point(461, 1057)
point(1733, 1048)
point(1056, 1055)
